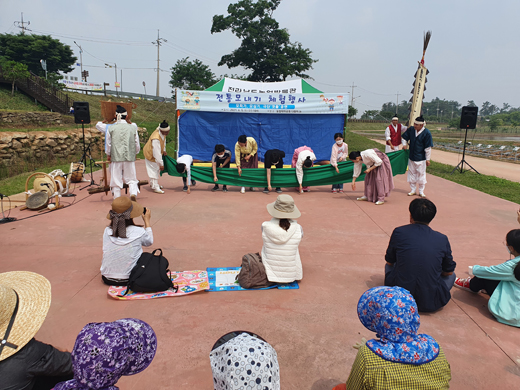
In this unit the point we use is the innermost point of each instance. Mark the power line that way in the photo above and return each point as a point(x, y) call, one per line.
point(97, 40)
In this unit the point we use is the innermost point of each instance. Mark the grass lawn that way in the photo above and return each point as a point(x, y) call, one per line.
point(16, 184)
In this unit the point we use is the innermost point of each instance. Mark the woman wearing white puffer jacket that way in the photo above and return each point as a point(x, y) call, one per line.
point(281, 236)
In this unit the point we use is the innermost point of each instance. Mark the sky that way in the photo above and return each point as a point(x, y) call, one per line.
point(373, 45)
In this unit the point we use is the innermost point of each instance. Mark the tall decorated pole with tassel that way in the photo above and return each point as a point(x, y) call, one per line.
point(419, 85)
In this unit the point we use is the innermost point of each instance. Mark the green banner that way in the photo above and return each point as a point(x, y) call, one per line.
point(318, 175)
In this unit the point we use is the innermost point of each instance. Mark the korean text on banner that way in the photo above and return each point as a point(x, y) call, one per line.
point(278, 102)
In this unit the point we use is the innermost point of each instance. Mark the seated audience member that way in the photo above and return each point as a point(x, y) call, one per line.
point(123, 240)
point(419, 259)
point(106, 351)
point(25, 363)
point(399, 358)
point(273, 157)
point(303, 157)
point(184, 164)
point(281, 236)
point(257, 369)
point(501, 282)
point(220, 159)
point(379, 181)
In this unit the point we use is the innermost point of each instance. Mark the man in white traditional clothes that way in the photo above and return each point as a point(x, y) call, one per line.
point(153, 151)
point(393, 135)
point(122, 145)
point(421, 144)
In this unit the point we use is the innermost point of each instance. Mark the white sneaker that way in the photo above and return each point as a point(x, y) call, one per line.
point(411, 193)
point(422, 195)
point(243, 190)
point(362, 198)
point(379, 202)
point(158, 191)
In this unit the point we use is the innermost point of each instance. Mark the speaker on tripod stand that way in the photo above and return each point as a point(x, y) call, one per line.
point(82, 116)
point(468, 120)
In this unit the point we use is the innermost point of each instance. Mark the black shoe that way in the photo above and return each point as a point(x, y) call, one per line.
point(251, 189)
point(224, 189)
point(215, 188)
point(185, 188)
point(266, 190)
point(193, 183)
point(278, 190)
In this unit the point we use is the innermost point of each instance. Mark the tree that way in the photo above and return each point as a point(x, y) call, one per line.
point(193, 75)
point(13, 71)
point(471, 103)
point(454, 123)
point(352, 111)
point(494, 123)
point(370, 114)
point(30, 49)
point(265, 49)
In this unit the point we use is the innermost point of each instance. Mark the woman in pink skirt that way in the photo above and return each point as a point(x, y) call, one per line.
point(378, 180)
point(303, 157)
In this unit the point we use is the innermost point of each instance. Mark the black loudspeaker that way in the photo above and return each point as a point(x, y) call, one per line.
point(81, 112)
point(468, 117)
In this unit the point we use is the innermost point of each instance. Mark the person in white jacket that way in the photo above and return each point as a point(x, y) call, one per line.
point(281, 236)
point(123, 240)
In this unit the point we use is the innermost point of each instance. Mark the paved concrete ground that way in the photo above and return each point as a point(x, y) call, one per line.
point(313, 328)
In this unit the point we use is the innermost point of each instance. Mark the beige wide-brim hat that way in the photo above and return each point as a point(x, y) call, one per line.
point(34, 300)
point(284, 207)
point(121, 204)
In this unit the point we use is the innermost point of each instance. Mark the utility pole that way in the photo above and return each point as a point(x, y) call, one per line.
point(352, 95)
point(397, 102)
point(80, 60)
point(22, 25)
point(158, 43)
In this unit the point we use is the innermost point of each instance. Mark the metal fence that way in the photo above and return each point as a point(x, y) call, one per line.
point(132, 95)
point(500, 152)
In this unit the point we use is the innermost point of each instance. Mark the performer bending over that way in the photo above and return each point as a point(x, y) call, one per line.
point(303, 157)
point(339, 153)
point(393, 135)
point(184, 164)
point(122, 145)
point(246, 155)
point(378, 180)
point(154, 149)
point(272, 157)
point(420, 152)
point(220, 159)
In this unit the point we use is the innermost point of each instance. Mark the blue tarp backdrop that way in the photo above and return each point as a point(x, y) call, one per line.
point(199, 132)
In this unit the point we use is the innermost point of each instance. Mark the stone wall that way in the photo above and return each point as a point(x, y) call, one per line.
point(8, 119)
point(16, 146)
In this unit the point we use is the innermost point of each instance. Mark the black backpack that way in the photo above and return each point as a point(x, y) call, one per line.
point(150, 274)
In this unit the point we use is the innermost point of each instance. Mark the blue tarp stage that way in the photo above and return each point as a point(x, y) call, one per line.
point(199, 132)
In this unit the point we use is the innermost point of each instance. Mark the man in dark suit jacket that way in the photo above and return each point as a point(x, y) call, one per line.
point(419, 259)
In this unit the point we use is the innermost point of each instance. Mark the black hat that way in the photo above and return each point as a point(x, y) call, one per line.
point(164, 124)
point(419, 120)
point(120, 109)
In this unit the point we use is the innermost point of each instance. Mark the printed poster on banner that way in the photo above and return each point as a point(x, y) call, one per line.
point(81, 85)
point(262, 102)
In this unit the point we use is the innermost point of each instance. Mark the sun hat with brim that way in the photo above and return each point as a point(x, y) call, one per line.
point(121, 204)
point(32, 293)
point(284, 207)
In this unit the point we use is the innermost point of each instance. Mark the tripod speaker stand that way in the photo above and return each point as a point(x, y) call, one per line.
point(82, 115)
point(468, 120)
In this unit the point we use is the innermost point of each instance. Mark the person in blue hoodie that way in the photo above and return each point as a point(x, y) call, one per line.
point(501, 282)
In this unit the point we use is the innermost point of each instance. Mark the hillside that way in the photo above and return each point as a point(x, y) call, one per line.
point(18, 102)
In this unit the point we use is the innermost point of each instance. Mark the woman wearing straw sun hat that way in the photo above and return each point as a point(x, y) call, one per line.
point(123, 240)
point(281, 236)
point(25, 363)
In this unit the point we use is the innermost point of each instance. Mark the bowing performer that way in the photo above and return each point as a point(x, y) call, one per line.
point(153, 151)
